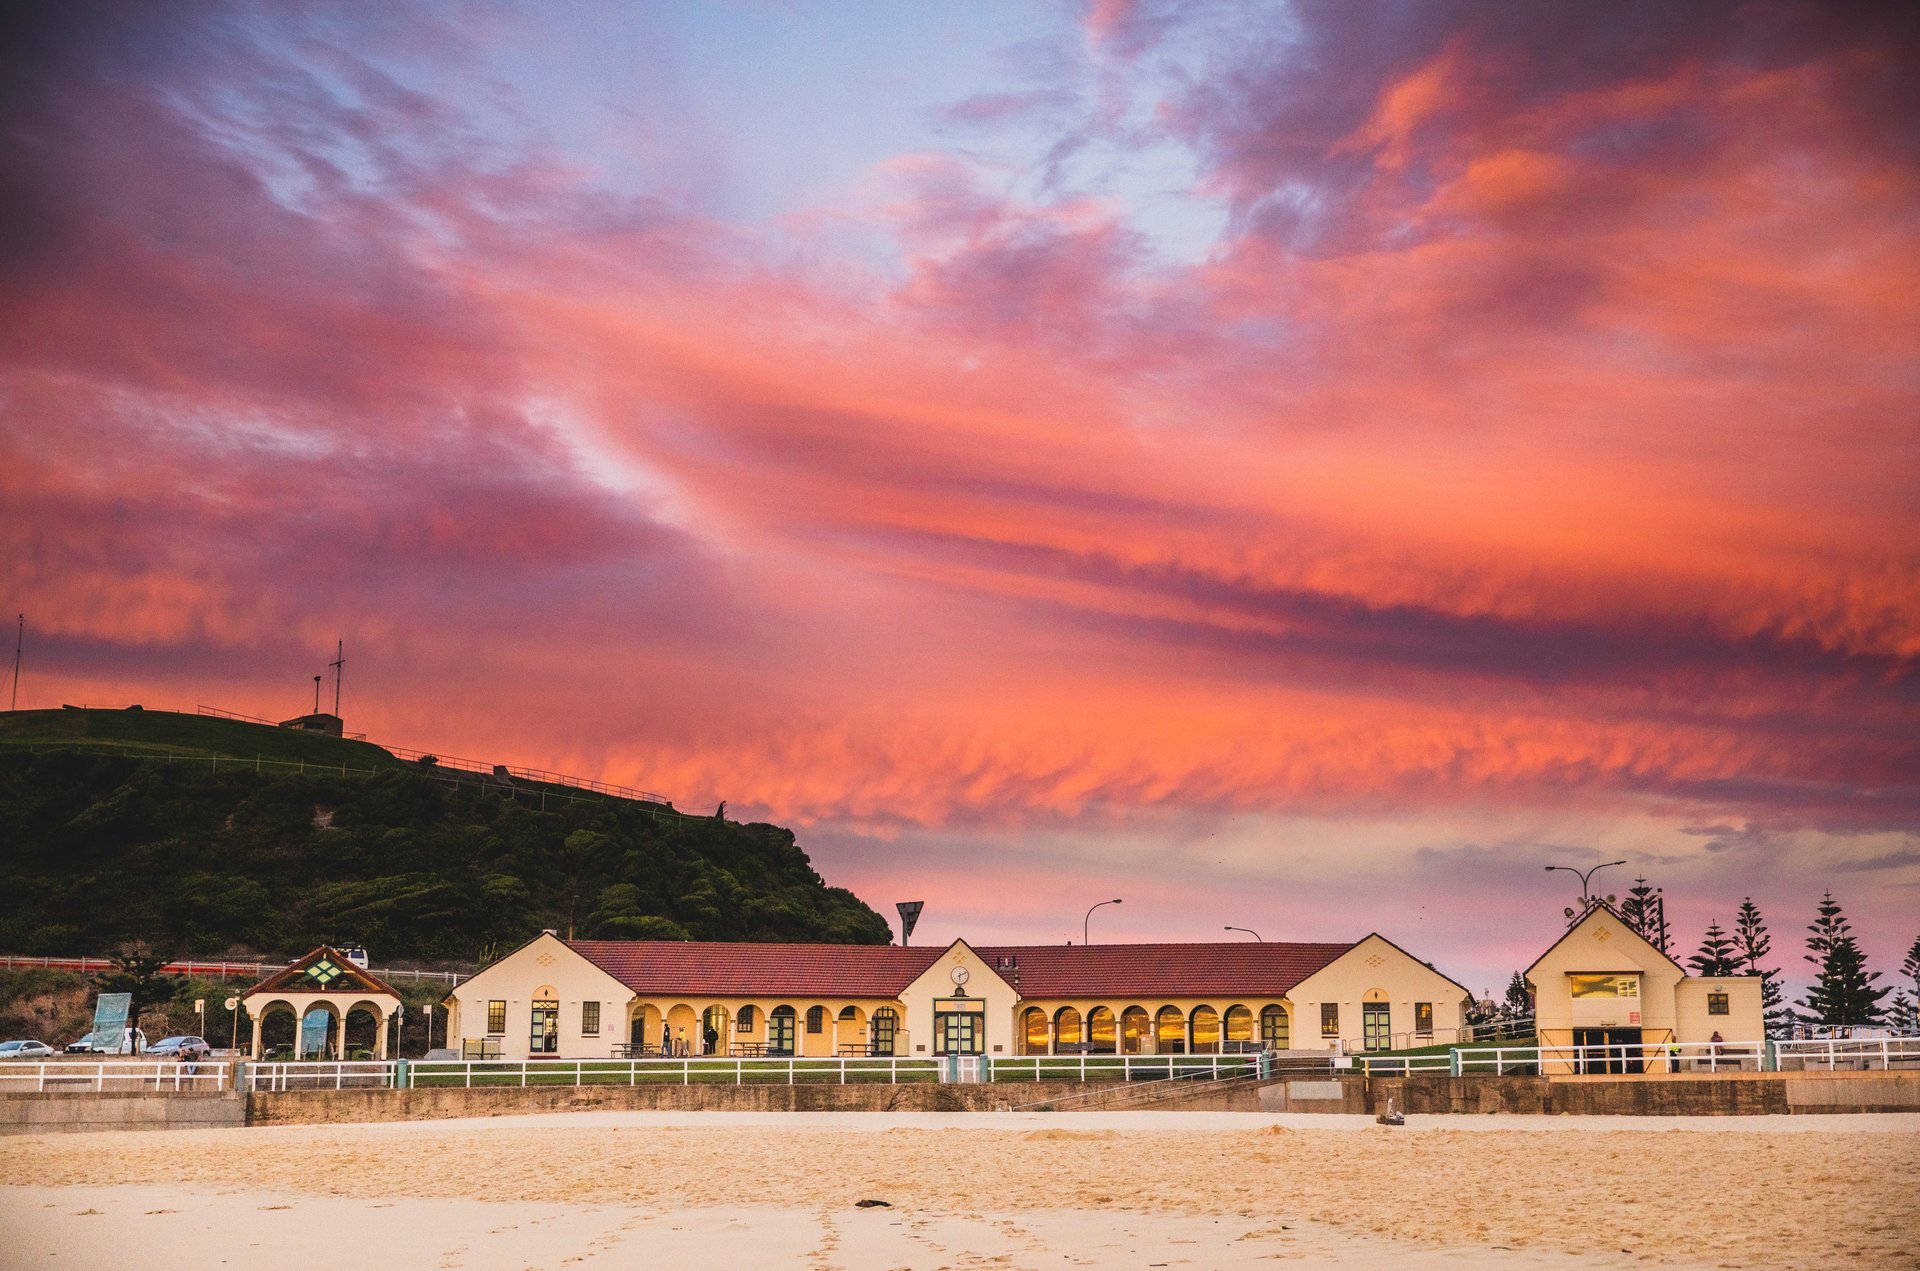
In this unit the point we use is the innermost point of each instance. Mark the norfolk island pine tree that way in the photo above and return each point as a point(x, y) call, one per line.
point(1842, 991)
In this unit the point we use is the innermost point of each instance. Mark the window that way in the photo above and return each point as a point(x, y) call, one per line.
point(1604, 985)
point(816, 1019)
point(1423, 1018)
point(743, 1020)
point(1329, 1019)
point(885, 1025)
point(849, 1014)
point(589, 1019)
point(1717, 1003)
point(497, 1016)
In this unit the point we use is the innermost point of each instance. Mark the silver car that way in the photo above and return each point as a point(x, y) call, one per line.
point(25, 1050)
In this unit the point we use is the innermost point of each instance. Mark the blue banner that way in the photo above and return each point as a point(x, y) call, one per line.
point(110, 1021)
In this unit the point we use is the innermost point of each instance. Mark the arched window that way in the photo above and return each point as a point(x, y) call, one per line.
point(1033, 1031)
point(780, 1030)
point(1240, 1025)
point(1066, 1027)
point(1273, 1027)
point(1206, 1031)
point(849, 1013)
point(1100, 1031)
point(1134, 1027)
point(1170, 1031)
point(816, 1019)
point(743, 1020)
point(885, 1024)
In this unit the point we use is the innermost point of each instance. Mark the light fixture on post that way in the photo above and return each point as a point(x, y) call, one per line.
point(1084, 922)
point(1583, 876)
point(1249, 930)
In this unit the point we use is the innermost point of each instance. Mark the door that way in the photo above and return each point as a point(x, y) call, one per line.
point(780, 1031)
point(956, 1033)
point(543, 1038)
point(1376, 1026)
point(884, 1024)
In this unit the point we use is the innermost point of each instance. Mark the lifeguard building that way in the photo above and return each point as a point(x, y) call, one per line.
point(600, 998)
point(1603, 984)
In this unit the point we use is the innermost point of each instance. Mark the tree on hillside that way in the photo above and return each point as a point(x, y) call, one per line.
point(1754, 943)
point(137, 973)
point(1645, 910)
point(1717, 954)
point(1843, 991)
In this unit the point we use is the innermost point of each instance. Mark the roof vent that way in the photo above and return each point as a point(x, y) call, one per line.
point(548, 931)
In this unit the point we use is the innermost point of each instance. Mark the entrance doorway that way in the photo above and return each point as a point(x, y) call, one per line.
point(1609, 1062)
point(957, 1033)
point(780, 1031)
point(1376, 1025)
point(885, 1022)
point(543, 1038)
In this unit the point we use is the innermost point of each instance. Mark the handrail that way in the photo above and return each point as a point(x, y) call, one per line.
point(100, 1075)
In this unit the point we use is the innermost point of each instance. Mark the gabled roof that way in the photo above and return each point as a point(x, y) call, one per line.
point(1595, 906)
point(1037, 971)
point(347, 980)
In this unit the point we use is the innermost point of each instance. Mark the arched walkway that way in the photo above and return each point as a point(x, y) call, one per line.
point(1067, 1037)
point(1100, 1031)
point(1205, 1022)
point(1170, 1031)
point(1136, 1030)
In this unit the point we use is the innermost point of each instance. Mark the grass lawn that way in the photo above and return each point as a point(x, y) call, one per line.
point(163, 732)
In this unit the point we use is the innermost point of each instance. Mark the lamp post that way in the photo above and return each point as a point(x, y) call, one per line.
point(1084, 922)
point(1584, 875)
point(1249, 930)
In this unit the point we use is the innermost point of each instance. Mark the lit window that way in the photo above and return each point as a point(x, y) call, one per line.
point(590, 1019)
point(1604, 985)
point(1423, 1018)
point(497, 1016)
point(1717, 1003)
point(816, 1018)
point(1329, 1019)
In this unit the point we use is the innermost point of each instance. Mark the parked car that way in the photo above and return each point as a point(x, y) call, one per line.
point(129, 1040)
point(25, 1050)
point(180, 1048)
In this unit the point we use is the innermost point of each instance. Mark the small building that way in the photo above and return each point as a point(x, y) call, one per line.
point(1604, 984)
point(595, 998)
point(326, 987)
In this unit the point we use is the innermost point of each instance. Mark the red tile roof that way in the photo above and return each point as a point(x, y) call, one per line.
point(1039, 971)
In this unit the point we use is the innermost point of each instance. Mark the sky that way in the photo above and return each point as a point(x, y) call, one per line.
point(1304, 467)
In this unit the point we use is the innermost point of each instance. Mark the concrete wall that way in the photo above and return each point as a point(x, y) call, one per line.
point(1740, 1094)
point(58, 1113)
point(310, 1107)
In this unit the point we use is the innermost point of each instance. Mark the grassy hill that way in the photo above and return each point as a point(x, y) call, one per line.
point(107, 836)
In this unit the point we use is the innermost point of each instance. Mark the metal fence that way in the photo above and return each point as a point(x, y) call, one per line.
point(103, 1076)
point(1666, 1058)
point(1835, 1054)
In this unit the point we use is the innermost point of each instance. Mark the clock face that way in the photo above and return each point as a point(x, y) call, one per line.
point(960, 975)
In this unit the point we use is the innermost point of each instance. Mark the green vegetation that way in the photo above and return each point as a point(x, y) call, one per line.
point(100, 849)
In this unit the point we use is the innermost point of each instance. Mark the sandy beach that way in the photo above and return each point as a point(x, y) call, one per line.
point(982, 1190)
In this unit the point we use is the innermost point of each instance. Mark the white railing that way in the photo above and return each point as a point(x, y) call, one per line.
point(1831, 1054)
point(206, 970)
point(730, 1070)
point(52, 1076)
point(1663, 1058)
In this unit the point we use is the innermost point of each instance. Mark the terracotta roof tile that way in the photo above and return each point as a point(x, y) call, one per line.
point(1043, 971)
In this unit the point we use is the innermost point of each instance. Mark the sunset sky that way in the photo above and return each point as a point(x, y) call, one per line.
point(1298, 466)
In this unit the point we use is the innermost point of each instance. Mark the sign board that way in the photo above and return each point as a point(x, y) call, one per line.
point(110, 1020)
point(313, 1033)
point(909, 915)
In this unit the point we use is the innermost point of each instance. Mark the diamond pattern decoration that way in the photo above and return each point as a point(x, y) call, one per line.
point(324, 972)
point(1376, 961)
point(1601, 933)
point(545, 959)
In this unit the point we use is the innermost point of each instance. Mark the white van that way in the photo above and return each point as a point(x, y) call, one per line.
point(129, 1039)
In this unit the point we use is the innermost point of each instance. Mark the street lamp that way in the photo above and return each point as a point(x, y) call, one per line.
point(1249, 930)
point(1089, 918)
point(1584, 875)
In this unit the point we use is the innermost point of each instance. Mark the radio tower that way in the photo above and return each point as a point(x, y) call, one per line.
point(19, 638)
point(339, 661)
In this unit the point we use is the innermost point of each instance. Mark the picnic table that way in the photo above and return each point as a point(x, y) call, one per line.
point(748, 1049)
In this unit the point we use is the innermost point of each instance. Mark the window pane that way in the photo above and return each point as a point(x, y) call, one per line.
point(1718, 1004)
point(816, 1018)
point(497, 1017)
point(1423, 1017)
point(1604, 985)
point(590, 1019)
point(1329, 1019)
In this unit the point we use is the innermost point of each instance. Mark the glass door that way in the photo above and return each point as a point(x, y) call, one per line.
point(1376, 1025)
point(780, 1031)
point(543, 1038)
point(884, 1024)
point(956, 1033)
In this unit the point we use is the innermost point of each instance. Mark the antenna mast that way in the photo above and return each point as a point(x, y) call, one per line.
point(339, 660)
point(20, 638)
